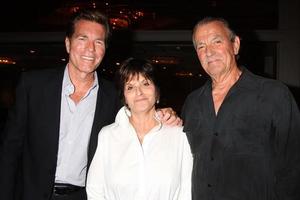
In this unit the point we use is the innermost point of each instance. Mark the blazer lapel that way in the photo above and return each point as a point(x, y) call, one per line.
point(52, 98)
point(104, 115)
point(97, 123)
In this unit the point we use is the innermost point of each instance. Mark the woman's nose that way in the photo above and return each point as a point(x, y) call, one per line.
point(138, 91)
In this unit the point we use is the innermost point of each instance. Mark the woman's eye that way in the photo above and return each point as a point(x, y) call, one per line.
point(129, 88)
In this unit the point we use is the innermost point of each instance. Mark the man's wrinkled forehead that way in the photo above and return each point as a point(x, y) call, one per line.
point(214, 28)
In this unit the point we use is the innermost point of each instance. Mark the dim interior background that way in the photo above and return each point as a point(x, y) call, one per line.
point(32, 37)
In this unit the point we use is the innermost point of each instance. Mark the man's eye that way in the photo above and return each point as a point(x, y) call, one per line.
point(217, 41)
point(81, 38)
point(200, 47)
point(99, 42)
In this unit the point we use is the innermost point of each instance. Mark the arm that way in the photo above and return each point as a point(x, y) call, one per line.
point(286, 120)
point(95, 186)
point(12, 143)
point(186, 172)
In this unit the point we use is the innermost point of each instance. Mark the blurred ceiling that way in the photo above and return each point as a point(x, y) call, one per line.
point(51, 15)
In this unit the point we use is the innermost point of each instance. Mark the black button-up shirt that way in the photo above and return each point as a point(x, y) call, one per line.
point(250, 149)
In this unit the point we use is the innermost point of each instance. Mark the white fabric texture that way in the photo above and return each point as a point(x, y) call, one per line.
point(123, 169)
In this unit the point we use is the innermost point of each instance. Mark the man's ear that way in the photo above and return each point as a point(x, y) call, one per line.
point(67, 44)
point(236, 45)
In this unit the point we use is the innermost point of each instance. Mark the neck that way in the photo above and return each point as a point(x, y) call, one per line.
point(227, 80)
point(143, 122)
point(82, 83)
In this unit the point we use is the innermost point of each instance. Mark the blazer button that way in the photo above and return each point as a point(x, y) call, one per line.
point(209, 185)
point(216, 134)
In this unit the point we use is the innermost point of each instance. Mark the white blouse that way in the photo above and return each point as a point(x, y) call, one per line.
point(123, 169)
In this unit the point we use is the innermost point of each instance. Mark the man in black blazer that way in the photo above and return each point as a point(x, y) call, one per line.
point(51, 133)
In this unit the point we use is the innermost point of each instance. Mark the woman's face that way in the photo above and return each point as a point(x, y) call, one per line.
point(140, 94)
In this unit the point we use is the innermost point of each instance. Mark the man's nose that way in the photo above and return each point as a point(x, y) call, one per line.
point(209, 50)
point(91, 46)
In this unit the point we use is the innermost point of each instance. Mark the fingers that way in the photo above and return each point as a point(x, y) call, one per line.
point(171, 119)
point(166, 116)
point(179, 122)
point(159, 114)
point(174, 121)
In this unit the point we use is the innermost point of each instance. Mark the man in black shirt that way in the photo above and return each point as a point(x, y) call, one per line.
point(243, 129)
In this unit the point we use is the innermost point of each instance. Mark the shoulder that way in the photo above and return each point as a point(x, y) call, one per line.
point(273, 92)
point(267, 84)
point(174, 135)
point(39, 79)
point(118, 126)
point(40, 76)
point(196, 94)
point(42, 73)
point(174, 131)
point(192, 101)
point(108, 87)
point(109, 130)
point(271, 87)
point(106, 83)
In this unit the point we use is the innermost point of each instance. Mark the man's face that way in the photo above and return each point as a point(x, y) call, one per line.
point(214, 48)
point(86, 47)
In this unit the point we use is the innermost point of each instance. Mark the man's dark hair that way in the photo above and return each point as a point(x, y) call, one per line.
point(91, 15)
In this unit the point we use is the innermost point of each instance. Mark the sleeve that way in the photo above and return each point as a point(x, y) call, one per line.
point(286, 123)
point(184, 109)
point(95, 186)
point(186, 173)
point(12, 143)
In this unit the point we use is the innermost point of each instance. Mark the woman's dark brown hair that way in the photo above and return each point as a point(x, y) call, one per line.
point(132, 67)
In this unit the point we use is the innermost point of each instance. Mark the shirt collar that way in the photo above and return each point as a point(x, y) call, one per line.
point(124, 113)
point(68, 87)
point(245, 81)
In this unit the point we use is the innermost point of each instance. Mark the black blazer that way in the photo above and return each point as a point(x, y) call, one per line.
point(30, 137)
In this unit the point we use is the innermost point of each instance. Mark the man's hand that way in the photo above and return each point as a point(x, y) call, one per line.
point(168, 117)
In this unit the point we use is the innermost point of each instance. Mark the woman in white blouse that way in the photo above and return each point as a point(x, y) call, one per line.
point(139, 158)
